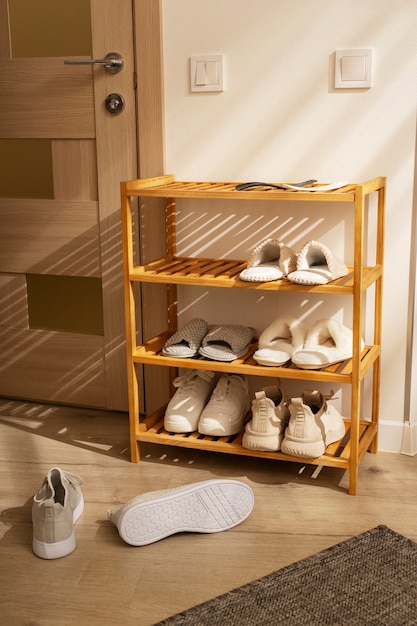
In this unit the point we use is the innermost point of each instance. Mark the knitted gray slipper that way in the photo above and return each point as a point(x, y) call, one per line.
point(186, 341)
point(226, 342)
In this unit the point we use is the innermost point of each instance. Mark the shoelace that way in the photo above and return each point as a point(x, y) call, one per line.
point(73, 478)
point(187, 380)
point(223, 386)
point(48, 486)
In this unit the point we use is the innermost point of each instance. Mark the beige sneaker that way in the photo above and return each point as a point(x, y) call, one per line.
point(194, 389)
point(270, 417)
point(313, 426)
point(225, 412)
point(210, 506)
point(56, 507)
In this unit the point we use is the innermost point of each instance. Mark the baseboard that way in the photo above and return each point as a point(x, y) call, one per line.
point(390, 436)
point(409, 440)
point(399, 437)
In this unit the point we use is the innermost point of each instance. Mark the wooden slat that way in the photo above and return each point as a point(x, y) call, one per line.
point(72, 93)
point(48, 236)
point(30, 368)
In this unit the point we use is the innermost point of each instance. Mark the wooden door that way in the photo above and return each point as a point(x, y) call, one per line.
point(62, 159)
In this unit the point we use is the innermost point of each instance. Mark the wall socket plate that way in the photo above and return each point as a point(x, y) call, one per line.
point(353, 68)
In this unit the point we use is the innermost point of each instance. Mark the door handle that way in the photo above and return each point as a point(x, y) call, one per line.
point(113, 62)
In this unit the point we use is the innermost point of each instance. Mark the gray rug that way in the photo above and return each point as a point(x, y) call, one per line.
point(370, 579)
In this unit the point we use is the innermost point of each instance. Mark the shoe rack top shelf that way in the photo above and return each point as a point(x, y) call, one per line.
point(173, 269)
point(168, 187)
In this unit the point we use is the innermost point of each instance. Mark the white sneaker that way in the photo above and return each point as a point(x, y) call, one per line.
point(55, 509)
point(225, 412)
point(205, 507)
point(184, 409)
point(312, 427)
point(270, 417)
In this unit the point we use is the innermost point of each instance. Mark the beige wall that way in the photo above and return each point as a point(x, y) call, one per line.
point(280, 118)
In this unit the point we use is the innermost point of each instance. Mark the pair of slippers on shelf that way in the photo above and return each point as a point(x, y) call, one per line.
point(325, 343)
point(225, 342)
point(315, 264)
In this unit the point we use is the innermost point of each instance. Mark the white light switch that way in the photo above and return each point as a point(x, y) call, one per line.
point(353, 69)
point(207, 72)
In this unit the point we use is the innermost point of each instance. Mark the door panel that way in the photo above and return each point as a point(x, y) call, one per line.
point(35, 90)
point(60, 367)
point(49, 237)
point(77, 232)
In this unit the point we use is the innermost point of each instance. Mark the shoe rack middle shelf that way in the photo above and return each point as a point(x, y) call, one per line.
point(150, 353)
point(173, 270)
point(225, 273)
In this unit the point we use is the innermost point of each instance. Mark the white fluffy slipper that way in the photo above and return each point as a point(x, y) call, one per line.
point(278, 342)
point(326, 343)
point(270, 260)
point(317, 265)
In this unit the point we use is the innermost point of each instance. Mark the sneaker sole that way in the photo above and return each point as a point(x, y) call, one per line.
point(301, 448)
point(265, 443)
point(208, 507)
point(60, 548)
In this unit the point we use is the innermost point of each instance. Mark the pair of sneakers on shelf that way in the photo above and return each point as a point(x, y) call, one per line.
point(302, 427)
point(209, 403)
point(208, 506)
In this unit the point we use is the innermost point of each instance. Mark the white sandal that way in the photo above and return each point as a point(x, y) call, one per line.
point(270, 260)
point(317, 265)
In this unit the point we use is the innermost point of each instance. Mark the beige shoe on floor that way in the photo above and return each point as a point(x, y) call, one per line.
point(55, 509)
point(313, 425)
point(270, 417)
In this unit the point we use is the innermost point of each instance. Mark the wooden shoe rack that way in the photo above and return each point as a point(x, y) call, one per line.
point(173, 270)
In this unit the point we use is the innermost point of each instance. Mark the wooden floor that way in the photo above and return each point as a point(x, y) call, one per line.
point(298, 511)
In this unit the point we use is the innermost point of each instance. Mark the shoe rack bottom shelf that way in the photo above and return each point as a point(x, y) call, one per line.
point(152, 430)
